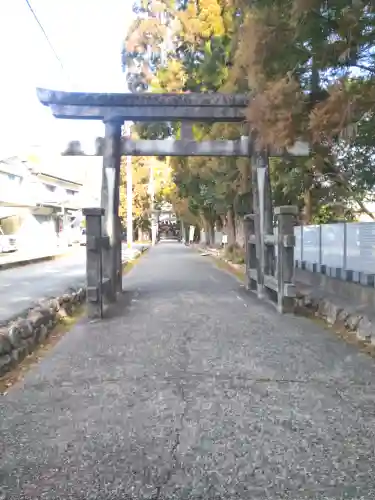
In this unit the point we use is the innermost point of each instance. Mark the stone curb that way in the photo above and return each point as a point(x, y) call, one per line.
point(20, 337)
point(326, 308)
point(337, 314)
point(33, 260)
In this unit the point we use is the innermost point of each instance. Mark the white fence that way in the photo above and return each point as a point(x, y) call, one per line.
point(349, 246)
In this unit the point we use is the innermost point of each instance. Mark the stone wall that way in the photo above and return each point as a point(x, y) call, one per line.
point(338, 301)
point(336, 312)
point(20, 337)
point(357, 293)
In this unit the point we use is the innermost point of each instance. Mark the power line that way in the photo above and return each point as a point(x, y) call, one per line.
point(45, 34)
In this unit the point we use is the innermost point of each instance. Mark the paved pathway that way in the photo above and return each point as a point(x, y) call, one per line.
point(193, 390)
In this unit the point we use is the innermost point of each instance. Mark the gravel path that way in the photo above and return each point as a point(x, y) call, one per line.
point(193, 390)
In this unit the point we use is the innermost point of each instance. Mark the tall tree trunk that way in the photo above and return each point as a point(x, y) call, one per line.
point(231, 227)
point(240, 234)
point(308, 201)
point(206, 228)
point(308, 206)
point(245, 177)
point(219, 223)
point(212, 233)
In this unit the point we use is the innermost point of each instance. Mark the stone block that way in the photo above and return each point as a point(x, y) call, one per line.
point(20, 353)
point(307, 301)
point(365, 329)
point(5, 363)
point(329, 310)
point(62, 313)
point(5, 344)
point(66, 298)
point(54, 305)
point(43, 333)
point(352, 321)
point(30, 344)
point(47, 313)
point(14, 335)
point(36, 318)
point(69, 308)
point(343, 316)
point(25, 327)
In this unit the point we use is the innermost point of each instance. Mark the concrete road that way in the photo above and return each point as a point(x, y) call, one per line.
point(21, 287)
point(192, 390)
point(30, 254)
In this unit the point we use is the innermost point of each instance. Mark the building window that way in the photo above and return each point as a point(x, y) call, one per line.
point(71, 192)
point(50, 188)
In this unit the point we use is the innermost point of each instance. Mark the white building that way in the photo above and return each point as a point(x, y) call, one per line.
point(41, 197)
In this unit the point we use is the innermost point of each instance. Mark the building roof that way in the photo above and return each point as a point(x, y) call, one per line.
point(74, 169)
point(51, 176)
point(14, 165)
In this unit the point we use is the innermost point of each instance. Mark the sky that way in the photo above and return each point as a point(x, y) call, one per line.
point(87, 35)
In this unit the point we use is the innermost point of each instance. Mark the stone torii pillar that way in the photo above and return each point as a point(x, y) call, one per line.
point(110, 199)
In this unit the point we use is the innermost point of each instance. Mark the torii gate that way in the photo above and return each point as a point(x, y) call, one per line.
point(104, 267)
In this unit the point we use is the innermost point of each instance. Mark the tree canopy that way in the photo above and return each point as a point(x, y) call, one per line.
point(309, 67)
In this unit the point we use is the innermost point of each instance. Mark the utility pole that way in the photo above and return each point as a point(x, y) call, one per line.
point(129, 201)
point(152, 196)
point(129, 193)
